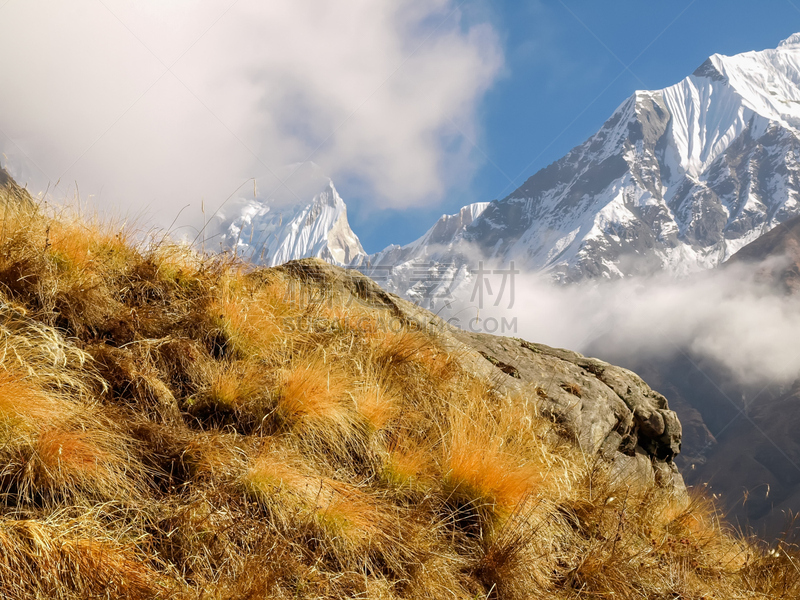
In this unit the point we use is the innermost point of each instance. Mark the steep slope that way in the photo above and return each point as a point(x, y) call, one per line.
point(271, 235)
point(186, 426)
point(677, 179)
point(777, 254)
point(755, 463)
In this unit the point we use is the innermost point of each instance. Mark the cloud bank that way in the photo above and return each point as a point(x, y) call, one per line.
point(153, 105)
point(727, 316)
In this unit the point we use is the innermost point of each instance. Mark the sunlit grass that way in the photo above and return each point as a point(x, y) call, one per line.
point(174, 425)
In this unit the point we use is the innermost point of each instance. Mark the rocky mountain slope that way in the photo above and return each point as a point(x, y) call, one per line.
point(676, 180)
point(740, 439)
point(755, 462)
point(777, 255)
point(607, 410)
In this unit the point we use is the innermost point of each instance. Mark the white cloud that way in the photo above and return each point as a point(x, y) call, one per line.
point(727, 316)
point(372, 91)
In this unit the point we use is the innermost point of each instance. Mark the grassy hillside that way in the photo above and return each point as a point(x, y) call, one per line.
point(183, 426)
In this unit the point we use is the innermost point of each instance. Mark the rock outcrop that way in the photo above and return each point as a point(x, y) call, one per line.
point(606, 409)
point(13, 189)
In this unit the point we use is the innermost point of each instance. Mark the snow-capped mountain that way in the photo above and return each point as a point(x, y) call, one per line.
point(677, 179)
point(442, 237)
point(426, 269)
point(271, 235)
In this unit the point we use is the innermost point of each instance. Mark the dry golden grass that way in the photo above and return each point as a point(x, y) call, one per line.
point(494, 463)
point(60, 559)
point(174, 425)
point(238, 393)
point(409, 469)
point(481, 476)
point(71, 458)
point(91, 464)
point(251, 320)
point(378, 401)
point(409, 346)
point(314, 400)
point(23, 405)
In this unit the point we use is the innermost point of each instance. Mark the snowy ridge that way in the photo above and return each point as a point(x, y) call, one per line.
point(677, 179)
point(425, 270)
point(439, 240)
point(715, 105)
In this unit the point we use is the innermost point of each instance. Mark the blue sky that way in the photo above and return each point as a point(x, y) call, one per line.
point(568, 65)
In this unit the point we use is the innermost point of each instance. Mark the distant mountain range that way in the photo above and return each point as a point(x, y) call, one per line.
point(676, 180)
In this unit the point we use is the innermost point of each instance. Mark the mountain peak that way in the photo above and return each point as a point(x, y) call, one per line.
point(270, 233)
point(710, 70)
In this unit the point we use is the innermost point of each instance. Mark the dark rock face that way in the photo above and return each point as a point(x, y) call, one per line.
point(777, 254)
point(707, 69)
point(606, 409)
point(743, 443)
point(740, 443)
point(756, 464)
point(13, 189)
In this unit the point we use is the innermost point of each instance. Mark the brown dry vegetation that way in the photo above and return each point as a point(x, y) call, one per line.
point(180, 426)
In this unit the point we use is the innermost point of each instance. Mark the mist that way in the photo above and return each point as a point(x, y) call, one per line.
point(729, 317)
point(148, 107)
